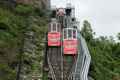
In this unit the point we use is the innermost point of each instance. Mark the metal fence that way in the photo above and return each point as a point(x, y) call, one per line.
point(83, 62)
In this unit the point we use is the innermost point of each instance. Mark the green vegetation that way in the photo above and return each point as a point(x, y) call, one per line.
point(24, 9)
point(16, 27)
point(105, 54)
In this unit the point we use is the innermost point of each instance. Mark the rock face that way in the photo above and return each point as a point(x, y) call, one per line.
point(38, 3)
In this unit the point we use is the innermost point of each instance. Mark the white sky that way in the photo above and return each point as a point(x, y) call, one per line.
point(104, 15)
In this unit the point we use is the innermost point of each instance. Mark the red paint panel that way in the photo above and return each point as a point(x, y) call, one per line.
point(70, 47)
point(54, 39)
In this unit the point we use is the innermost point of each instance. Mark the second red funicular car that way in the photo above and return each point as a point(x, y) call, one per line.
point(54, 33)
point(70, 41)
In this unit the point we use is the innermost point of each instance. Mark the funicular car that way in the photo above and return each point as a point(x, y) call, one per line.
point(70, 41)
point(54, 33)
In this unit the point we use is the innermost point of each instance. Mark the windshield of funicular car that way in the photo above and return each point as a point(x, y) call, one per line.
point(69, 33)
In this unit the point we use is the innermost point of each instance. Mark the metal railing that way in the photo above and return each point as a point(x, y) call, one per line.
point(83, 62)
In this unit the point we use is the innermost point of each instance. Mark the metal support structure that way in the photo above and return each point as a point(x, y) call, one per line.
point(83, 62)
point(51, 69)
point(80, 68)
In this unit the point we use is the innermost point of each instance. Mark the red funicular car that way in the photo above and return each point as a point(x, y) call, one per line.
point(70, 41)
point(54, 33)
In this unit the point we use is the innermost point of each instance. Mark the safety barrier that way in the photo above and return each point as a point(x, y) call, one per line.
point(83, 62)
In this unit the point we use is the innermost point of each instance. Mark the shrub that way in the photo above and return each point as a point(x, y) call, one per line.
point(24, 9)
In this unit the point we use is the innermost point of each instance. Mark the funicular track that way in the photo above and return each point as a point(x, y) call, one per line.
point(67, 67)
point(54, 60)
point(68, 64)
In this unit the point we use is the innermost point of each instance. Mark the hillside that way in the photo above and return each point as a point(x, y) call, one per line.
point(105, 53)
point(22, 30)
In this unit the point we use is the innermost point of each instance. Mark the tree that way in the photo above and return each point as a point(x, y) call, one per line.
point(105, 54)
point(87, 31)
point(118, 36)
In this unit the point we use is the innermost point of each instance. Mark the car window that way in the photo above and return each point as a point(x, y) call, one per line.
point(54, 26)
point(69, 33)
point(74, 34)
point(58, 27)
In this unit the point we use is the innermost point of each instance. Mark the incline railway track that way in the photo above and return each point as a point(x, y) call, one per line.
point(68, 64)
point(66, 55)
point(54, 58)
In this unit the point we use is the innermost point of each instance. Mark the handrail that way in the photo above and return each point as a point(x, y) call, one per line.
point(83, 62)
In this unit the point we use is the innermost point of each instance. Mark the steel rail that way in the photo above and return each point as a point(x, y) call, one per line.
point(51, 68)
